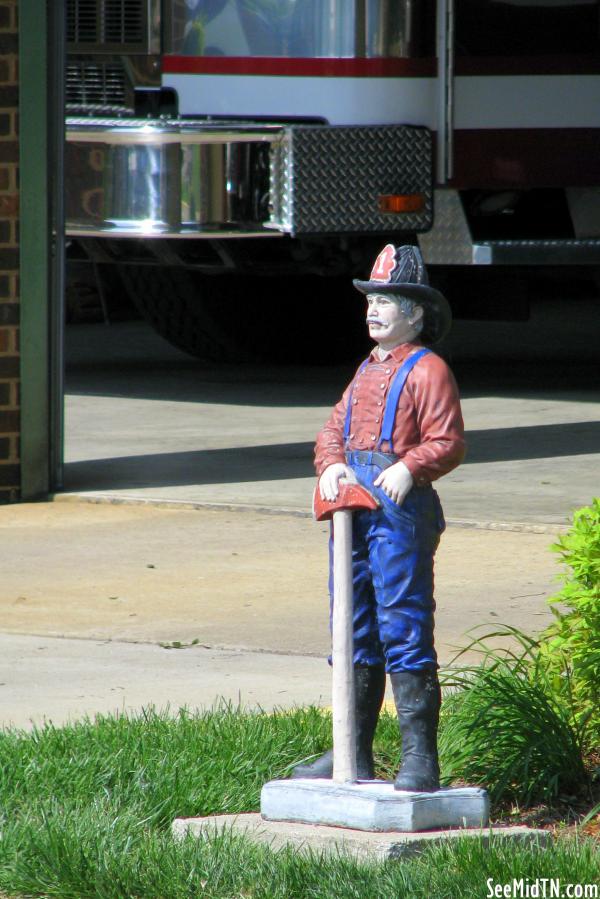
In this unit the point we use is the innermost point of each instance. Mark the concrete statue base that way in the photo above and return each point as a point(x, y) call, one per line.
point(373, 805)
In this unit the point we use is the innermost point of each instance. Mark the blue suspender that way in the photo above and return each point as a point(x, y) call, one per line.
point(389, 415)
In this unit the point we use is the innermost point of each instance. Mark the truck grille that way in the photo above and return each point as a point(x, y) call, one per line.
point(82, 22)
point(95, 84)
point(107, 24)
point(123, 21)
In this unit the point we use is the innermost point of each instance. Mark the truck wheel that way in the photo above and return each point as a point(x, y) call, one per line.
point(247, 318)
point(186, 309)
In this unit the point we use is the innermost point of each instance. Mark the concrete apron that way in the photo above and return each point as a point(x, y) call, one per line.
point(362, 845)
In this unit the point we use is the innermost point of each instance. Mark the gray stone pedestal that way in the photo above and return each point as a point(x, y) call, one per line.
point(373, 805)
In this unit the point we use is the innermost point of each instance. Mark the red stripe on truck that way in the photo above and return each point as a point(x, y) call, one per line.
point(318, 68)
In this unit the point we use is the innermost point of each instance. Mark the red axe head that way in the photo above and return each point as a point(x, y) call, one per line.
point(351, 496)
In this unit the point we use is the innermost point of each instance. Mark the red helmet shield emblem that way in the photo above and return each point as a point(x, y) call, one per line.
point(384, 264)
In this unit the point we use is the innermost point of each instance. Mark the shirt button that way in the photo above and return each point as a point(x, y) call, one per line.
point(377, 420)
point(373, 436)
point(382, 386)
point(388, 371)
point(379, 403)
point(354, 402)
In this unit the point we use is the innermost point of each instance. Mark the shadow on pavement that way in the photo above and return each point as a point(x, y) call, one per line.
point(218, 466)
point(533, 442)
point(241, 386)
point(129, 360)
point(552, 379)
point(284, 461)
point(307, 386)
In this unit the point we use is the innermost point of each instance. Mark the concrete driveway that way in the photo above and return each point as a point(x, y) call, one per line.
point(214, 585)
point(108, 607)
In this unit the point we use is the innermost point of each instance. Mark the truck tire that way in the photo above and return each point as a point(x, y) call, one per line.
point(248, 318)
point(186, 309)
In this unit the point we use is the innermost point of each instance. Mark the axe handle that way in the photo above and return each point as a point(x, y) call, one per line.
point(343, 704)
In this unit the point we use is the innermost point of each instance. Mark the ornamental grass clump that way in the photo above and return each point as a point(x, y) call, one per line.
point(505, 726)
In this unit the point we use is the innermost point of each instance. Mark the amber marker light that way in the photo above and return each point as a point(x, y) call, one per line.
point(394, 203)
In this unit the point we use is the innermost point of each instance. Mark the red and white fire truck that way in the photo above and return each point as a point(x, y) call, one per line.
point(208, 139)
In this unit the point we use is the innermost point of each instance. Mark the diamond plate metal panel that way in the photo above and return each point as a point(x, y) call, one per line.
point(279, 207)
point(449, 241)
point(328, 179)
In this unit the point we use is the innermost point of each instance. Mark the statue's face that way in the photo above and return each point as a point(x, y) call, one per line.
point(388, 325)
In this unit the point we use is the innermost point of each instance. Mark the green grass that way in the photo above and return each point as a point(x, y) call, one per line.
point(156, 765)
point(111, 859)
point(86, 811)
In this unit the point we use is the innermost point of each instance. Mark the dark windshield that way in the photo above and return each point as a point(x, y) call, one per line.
point(527, 27)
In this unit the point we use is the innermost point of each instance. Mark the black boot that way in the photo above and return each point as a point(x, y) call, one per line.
point(418, 697)
point(369, 685)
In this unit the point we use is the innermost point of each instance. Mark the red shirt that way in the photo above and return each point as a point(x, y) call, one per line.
point(428, 433)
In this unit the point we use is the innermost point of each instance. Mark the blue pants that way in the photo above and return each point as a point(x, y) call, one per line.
point(392, 561)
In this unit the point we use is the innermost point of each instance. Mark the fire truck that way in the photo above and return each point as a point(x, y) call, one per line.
point(230, 157)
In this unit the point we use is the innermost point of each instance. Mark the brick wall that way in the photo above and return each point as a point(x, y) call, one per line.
point(9, 253)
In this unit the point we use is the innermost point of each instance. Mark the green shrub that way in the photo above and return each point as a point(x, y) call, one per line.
point(572, 642)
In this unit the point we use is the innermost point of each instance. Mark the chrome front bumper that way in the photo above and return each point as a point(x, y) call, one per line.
point(182, 178)
point(135, 178)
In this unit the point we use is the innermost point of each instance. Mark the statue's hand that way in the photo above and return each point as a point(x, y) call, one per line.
point(395, 482)
point(331, 477)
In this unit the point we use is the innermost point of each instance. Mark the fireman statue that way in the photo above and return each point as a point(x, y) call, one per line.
point(397, 428)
